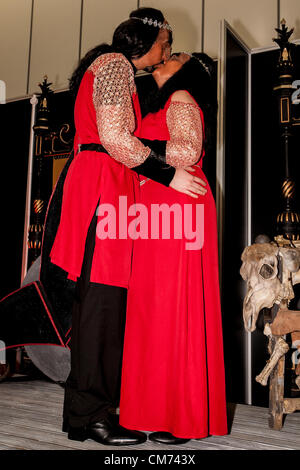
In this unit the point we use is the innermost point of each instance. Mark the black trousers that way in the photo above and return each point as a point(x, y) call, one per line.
point(98, 323)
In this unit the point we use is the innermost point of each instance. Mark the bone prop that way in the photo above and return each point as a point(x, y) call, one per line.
point(281, 347)
point(268, 333)
point(286, 321)
point(296, 338)
point(267, 330)
point(295, 335)
point(290, 405)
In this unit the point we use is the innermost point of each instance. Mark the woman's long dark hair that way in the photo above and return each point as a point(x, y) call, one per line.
point(85, 62)
point(132, 38)
point(198, 80)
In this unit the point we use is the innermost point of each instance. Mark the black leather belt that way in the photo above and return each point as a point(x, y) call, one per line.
point(151, 167)
point(92, 147)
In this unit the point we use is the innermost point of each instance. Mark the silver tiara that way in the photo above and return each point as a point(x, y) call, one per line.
point(202, 63)
point(152, 22)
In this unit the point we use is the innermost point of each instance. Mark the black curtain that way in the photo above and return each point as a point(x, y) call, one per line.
point(15, 131)
point(267, 177)
point(234, 238)
point(15, 118)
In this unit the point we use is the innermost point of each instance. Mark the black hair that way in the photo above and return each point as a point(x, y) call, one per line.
point(85, 62)
point(132, 38)
point(148, 33)
point(199, 81)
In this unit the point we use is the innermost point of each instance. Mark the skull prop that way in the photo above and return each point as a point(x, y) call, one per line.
point(270, 272)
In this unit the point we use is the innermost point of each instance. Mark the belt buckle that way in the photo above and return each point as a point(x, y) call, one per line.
point(79, 148)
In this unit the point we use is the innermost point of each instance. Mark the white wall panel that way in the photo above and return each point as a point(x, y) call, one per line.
point(55, 42)
point(100, 19)
point(290, 11)
point(253, 20)
point(15, 17)
point(185, 17)
point(56, 31)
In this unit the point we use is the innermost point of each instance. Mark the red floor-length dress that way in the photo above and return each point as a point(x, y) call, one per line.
point(106, 111)
point(173, 368)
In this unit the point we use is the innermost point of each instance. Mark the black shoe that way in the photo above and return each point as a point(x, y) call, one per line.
point(112, 416)
point(104, 432)
point(166, 438)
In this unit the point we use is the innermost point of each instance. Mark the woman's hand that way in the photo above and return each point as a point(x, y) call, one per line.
point(186, 183)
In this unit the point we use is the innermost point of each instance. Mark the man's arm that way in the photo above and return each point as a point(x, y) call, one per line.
point(112, 98)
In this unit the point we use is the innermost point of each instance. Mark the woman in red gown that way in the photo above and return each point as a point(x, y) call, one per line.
point(173, 379)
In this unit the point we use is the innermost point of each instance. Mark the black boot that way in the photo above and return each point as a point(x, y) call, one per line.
point(112, 416)
point(107, 433)
point(166, 438)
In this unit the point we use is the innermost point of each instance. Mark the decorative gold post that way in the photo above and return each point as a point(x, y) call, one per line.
point(288, 220)
point(39, 188)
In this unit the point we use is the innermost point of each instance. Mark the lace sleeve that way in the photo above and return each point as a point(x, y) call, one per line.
point(112, 98)
point(186, 135)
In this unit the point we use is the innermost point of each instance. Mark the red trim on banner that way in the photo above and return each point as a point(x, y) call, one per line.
point(68, 331)
point(20, 288)
point(49, 314)
point(32, 344)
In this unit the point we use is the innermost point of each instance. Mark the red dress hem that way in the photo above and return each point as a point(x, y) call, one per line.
point(173, 376)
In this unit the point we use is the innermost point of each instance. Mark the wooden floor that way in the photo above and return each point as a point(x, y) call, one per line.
point(30, 418)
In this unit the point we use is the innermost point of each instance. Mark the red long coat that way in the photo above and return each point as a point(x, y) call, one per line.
point(106, 111)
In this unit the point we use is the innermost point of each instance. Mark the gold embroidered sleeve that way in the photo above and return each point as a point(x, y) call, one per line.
point(186, 135)
point(112, 97)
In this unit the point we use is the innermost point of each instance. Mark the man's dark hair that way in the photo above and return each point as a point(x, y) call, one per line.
point(132, 38)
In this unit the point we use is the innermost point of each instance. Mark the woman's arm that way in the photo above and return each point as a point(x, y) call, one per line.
point(112, 97)
point(185, 127)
